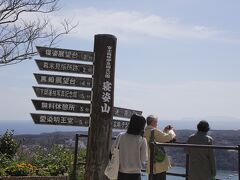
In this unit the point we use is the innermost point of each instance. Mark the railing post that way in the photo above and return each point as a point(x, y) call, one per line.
point(238, 162)
point(187, 166)
point(75, 158)
point(151, 146)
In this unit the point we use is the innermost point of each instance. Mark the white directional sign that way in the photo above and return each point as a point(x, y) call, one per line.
point(125, 113)
point(64, 67)
point(63, 80)
point(61, 106)
point(54, 119)
point(62, 93)
point(65, 54)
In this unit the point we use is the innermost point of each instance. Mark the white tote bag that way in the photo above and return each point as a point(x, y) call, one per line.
point(112, 168)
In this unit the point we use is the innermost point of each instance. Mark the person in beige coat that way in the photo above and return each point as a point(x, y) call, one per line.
point(159, 168)
point(201, 161)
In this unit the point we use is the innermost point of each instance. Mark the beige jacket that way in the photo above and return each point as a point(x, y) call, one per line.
point(160, 137)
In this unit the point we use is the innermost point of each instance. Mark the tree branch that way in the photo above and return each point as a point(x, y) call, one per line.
point(18, 36)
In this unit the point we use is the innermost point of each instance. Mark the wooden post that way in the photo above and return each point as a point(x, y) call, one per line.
point(100, 130)
point(152, 149)
point(238, 162)
point(75, 157)
point(187, 166)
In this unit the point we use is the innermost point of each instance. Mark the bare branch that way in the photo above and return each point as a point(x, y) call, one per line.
point(19, 36)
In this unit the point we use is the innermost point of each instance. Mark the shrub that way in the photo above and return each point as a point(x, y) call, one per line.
point(20, 169)
point(5, 161)
point(57, 161)
point(8, 145)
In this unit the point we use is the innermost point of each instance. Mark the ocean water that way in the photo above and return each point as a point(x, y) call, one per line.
point(222, 175)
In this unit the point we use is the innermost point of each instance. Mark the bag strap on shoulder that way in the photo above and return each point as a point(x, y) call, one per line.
point(152, 135)
point(118, 141)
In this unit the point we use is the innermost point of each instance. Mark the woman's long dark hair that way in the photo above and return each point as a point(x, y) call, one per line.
point(136, 125)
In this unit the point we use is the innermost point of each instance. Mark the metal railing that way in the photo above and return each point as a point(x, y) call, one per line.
point(152, 148)
point(75, 162)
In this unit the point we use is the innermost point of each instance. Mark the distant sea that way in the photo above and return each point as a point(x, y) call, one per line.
point(222, 175)
point(28, 126)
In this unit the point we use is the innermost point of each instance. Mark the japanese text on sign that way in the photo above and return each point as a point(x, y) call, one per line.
point(65, 54)
point(62, 93)
point(107, 85)
point(65, 67)
point(63, 80)
point(54, 119)
point(61, 106)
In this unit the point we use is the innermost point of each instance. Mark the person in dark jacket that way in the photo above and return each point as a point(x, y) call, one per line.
point(202, 161)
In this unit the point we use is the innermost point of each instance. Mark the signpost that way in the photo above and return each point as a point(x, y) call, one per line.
point(61, 106)
point(65, 54)
point(120, 124)
point(65, 67)
point(125, 113)
point(100, 130)
point(55, 119)
point(63, 80)
point(93, 87)
point(62, 93)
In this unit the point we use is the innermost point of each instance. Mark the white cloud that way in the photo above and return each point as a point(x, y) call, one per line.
point(170, 101)
point(177, 100)
point(135, 25)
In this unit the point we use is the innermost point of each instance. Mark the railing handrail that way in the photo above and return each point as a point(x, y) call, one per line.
point(176, 144)
point(184, 145)
point(85, 135)
point(197, 146)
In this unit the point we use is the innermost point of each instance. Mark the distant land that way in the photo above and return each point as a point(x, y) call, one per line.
point(28, 127)
point(226, 160)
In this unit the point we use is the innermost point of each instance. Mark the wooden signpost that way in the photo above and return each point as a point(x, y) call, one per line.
point(58, 80)
point(93, 87)
point(65, 54)
point(61, 106)
point(65, 67)
point(55, 119)
point(125, 113)
point(59, 93)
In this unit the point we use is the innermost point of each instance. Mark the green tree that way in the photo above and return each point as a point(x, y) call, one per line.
point(8, 145)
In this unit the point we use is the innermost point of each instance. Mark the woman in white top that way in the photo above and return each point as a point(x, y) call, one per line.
point(133, 149)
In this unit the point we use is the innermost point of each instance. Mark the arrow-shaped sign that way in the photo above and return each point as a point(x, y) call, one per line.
point(61, 106)
point(62, 93)
point(65, 54)
point(55, 119)
point(125, 113)
point(64, 67)
point(63, 80)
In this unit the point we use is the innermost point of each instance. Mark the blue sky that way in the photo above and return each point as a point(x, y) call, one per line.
point(175, 59)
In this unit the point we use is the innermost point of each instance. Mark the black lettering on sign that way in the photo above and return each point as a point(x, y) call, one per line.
point(125, 113)
point(54, 119)
point(61, 106)
point(65, 67)
point(63, 80)
point(65, 54)
point(62, 93)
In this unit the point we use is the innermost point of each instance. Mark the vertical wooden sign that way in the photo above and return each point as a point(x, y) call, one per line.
point(100, 131)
